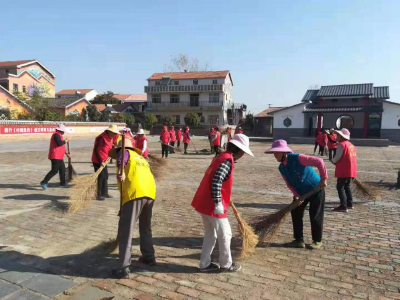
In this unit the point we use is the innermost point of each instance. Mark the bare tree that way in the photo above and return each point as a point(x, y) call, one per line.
point(182, 63)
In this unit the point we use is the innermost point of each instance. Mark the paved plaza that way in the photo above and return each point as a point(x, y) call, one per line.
point(46, 253)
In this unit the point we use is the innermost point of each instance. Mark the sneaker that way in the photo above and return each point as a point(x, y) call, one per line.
point(101, 198)
point(108, 196)
point(211, 268)
point(233, 268)
point(296, 244)
point(350, 206)
point(147, 261)
point(315, 245)
point(340, 209)
point(121, 273)
point(44, 185)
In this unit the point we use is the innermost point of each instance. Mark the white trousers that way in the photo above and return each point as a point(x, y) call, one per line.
point(215, 228)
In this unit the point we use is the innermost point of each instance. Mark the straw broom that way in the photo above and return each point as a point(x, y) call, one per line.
point(157, 165)
point(249, 238)
point(70, 172)
point(267, 227)
point(365, 190)
point(84, 190)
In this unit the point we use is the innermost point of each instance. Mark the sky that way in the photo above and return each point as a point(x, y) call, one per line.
point(275, 50)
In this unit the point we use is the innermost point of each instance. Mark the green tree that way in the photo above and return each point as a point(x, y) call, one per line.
point(85, 115)
point(105, 116)
point(250, 120)
point(106, 98)
point(74, 118)
point(5, 113)
point(118, 118)
point(93, 114)
point(192, 119)
point(129, 119)
point(149, 120)
point(169, 120)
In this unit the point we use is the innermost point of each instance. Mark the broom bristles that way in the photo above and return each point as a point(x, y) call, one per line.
point(157, 166)
point(249, 238)
point(365, 190)
point(105, 247)
point(73, 172)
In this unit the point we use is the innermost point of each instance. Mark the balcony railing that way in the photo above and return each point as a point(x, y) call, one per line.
point(185, 88)
point(200, 105)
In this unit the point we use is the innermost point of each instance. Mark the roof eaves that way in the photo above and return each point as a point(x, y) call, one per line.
point(36, 61)
point(78, 100)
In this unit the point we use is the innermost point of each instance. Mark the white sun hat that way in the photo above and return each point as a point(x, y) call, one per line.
point(242, 142)
point(345, 133)
point(61, 127)
point(141, 131)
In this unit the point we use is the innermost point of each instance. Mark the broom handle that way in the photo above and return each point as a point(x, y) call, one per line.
point(69, 162)
point(121, 169)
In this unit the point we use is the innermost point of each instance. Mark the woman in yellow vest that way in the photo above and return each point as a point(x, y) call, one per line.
point(138, 194)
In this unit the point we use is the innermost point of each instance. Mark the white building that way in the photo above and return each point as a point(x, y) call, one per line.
point(206, 93)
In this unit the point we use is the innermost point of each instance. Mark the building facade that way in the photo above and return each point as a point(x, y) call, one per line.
point(206, 93)
point(362, 108)
point(27, 76)
point(264, 121)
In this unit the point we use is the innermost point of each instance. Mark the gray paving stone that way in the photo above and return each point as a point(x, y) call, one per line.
point(7, 288)
point(25, 295)
point(47, 284)
point(16, 273)
point(90, 293)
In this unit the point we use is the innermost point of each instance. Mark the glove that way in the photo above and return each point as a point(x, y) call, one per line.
point(219, 209)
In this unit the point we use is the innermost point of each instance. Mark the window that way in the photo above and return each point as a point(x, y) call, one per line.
point(7, 71)
point(15, 87)
point(159, 121)
point(344, 122)
point(195, 82)
point(24, 89)
point(174, 98)
point(213, 98)
point(194, 100)
point(287, 122)
point(177, 119)
point(213, 119)
point(158, 83)
point(176, 82)
point(156, 98)
point(215, 81)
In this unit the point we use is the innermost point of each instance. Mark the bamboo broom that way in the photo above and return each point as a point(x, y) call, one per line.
point(84, 190)
point(70, 172)
point(365, 190)
point(249, 238)
point(267, 227)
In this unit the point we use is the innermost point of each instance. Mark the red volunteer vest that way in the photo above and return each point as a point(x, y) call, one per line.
point(203, 201)
point(139, 144)
point(331, 145)
point(172, 135)
point(107, 146)
point(56, 152)
point(179, 135)
point(164, 137)
point(217, 141)
point(186, 137)
point(347, 165)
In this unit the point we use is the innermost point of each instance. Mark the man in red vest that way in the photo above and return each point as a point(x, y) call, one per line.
point(102, 145)
point(179, 136)
point(165, 139)
point(141, 143)
point(216, 140)
point(172, 136)
point(186, 139)
point(332, 143)
point(56, 156)
point(212, 200)
point(346, 169)
point(211, 135)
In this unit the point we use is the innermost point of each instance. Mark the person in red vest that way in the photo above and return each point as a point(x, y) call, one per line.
point(346, 169)
point(211, 135)
point(165, 139)
point(142, 143)
point(56, 156)
point(332, 143)
point(229, 132)
point(172, 136)
point(212, 200)
point(322, 141)
point(238, 130)
point(217, 140)
point(186, 139)
point(102, 144)
point(179, 136)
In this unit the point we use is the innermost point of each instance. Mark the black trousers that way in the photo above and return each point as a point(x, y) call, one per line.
point(57, 166)
point(315, 146)
point(216, 150)
point(321, 150)
point(185, 146)
point(332, 153)
point(171, 150)
point(164, 150)
point(316, 211)
point(178, 143)
point(102, 180)
point(172, 144)
point(344, 191)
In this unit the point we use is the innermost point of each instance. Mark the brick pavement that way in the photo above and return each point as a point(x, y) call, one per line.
point(360, 258)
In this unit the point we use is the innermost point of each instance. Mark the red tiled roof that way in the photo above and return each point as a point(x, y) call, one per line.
point(100, 107)
point(266, 113)
point(73, 92)
point(190, 75)
point(131, 97)
point(14, 63)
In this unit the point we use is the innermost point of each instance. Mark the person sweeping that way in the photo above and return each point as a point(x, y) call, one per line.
point(172, 136)
point(138, 195)
point(216, 140)
point(296, 169)
point(332, 143)
point(142, 143)
point(56, 156)
point(102, 145)
point(165, 139)
point(186, 139)
point(211, 135)
point(179, 137)
point(211, 201)
point(345, 170)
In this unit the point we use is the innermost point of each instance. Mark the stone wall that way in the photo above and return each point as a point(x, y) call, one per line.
point(391, 134)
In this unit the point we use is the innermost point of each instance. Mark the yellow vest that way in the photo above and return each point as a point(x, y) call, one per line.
point(139, 181)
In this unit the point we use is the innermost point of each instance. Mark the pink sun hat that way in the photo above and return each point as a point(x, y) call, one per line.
point(279, 146)
point(345, 133)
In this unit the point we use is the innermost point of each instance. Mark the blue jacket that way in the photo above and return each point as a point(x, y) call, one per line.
point(303, 179)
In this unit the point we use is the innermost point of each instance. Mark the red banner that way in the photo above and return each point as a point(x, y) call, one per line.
point(26, 129)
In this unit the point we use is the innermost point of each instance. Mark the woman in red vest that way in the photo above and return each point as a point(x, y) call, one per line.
point(172, 136)
point(102, 144)
point(332, 143)
point(165, 139)
point(56, 156)
point(346, 169)
point(186, 139)
point(238, 130)
point(212, 200)
point(229, 132)
point(322, 141)
point(179, 136)
point(141, 143)
point(216, 140)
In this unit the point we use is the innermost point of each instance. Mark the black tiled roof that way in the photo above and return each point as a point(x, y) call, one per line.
point(346, 90)
point(381, 92)
point(311, 95)
point(333, 109)
point(61, 102)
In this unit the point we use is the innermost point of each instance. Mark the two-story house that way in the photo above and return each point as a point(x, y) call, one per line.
point(206, 93)
point(26, 76)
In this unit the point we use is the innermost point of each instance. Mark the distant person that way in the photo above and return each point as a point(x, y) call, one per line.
point(332, 143)
point(56, 156)
point(217, 140)
point(186, 139)
point(211, 135)
point(179, 137)
point(172, 136)
point(239, 130)
point(142, 143)
point(165, 139)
